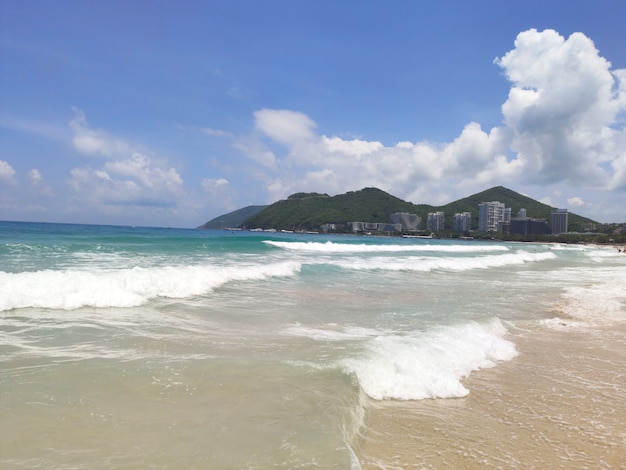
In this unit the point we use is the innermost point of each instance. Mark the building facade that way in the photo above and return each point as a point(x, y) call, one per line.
point(490, 216)
point(407, 221)
point(435, 221)
point(558, 221)
point(463, 221)
point(528, 226)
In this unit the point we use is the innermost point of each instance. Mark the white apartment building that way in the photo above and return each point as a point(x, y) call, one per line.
point(435, 221)
point(490, 216)
point(463, 221)
point(407, 220)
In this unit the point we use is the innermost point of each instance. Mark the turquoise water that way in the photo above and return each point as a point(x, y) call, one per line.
point(146, 347)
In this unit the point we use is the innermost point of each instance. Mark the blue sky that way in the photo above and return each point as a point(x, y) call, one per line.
point(171, 113)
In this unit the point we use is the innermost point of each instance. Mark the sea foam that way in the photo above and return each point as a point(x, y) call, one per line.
point(429, 364)
point(71, 289)
point(447, 263)
point(331, 247)
point(601, 301)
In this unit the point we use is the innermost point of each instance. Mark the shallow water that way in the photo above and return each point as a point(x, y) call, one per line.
point(129, 348)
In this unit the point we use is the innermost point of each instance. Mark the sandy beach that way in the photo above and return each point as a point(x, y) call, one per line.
point(560, 404)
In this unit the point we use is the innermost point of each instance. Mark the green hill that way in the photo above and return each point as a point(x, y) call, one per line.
point(515, 201)
point(308, 211)
point(232, 219)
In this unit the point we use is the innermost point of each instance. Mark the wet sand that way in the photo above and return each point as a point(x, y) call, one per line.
point(560, 404)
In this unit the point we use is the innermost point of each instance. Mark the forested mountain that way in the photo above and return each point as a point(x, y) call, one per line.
point(232, 219)
point(308, 211)
point(512, 199)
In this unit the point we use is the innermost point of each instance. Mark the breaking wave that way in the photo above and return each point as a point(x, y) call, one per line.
point(72, 289)
point(331, 247)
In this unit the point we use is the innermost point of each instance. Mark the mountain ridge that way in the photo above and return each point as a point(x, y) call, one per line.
point(309, 211)
point(232, 219)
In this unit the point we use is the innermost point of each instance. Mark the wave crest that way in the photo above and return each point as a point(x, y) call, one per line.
point(72, 289)
point(429, 364)
point(332, 247)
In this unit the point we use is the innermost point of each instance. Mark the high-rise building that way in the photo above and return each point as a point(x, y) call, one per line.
point(528, 226)
point(521, 214)
point(504, 226)
point(558, 221)
point(463, 221)
point(408, 221)
point(490, 215)
point(435, 221)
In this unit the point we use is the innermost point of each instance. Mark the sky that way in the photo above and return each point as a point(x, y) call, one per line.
point(170, 113)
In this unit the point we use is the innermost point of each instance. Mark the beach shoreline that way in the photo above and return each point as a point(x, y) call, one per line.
point(559, 404)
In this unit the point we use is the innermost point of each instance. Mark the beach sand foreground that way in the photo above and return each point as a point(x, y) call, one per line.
point(560, 404)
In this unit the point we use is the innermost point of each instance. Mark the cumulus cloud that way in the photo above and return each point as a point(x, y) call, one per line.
point(284, 126)
point(562, 123)
point(210, 183)
point(38, 182)
point(90, 141)
point(575, 201)
point(218, 189)
point(35, 176)
point(562, 108)
point(134, 181)
point(127, 176)
point(7, 173)
point(315, 162)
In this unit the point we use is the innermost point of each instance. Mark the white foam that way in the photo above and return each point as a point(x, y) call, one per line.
point(566, 247)
point(331, 247)
point(604, 254)
point(427, 264)
point(601, 301)
point(331, 332)
point(429, 364)
point(71, 289)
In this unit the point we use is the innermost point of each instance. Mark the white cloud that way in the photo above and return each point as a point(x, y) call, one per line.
point(7, 173)
point(89, 141)
point(127, 176)
point(575, 201)
point(562, 108)
point(35, 176)
point(354, 148)
point(38, 182)
point(311, 162)
point(619, 173)
point(284, 126)
point(216, 132)
point(210, 184)
point(256, 150)
point(217, 191)
point(563, 123)
point(134, 181)
point(146, 172)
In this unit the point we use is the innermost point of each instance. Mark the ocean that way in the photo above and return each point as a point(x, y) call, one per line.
point(124, 347)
